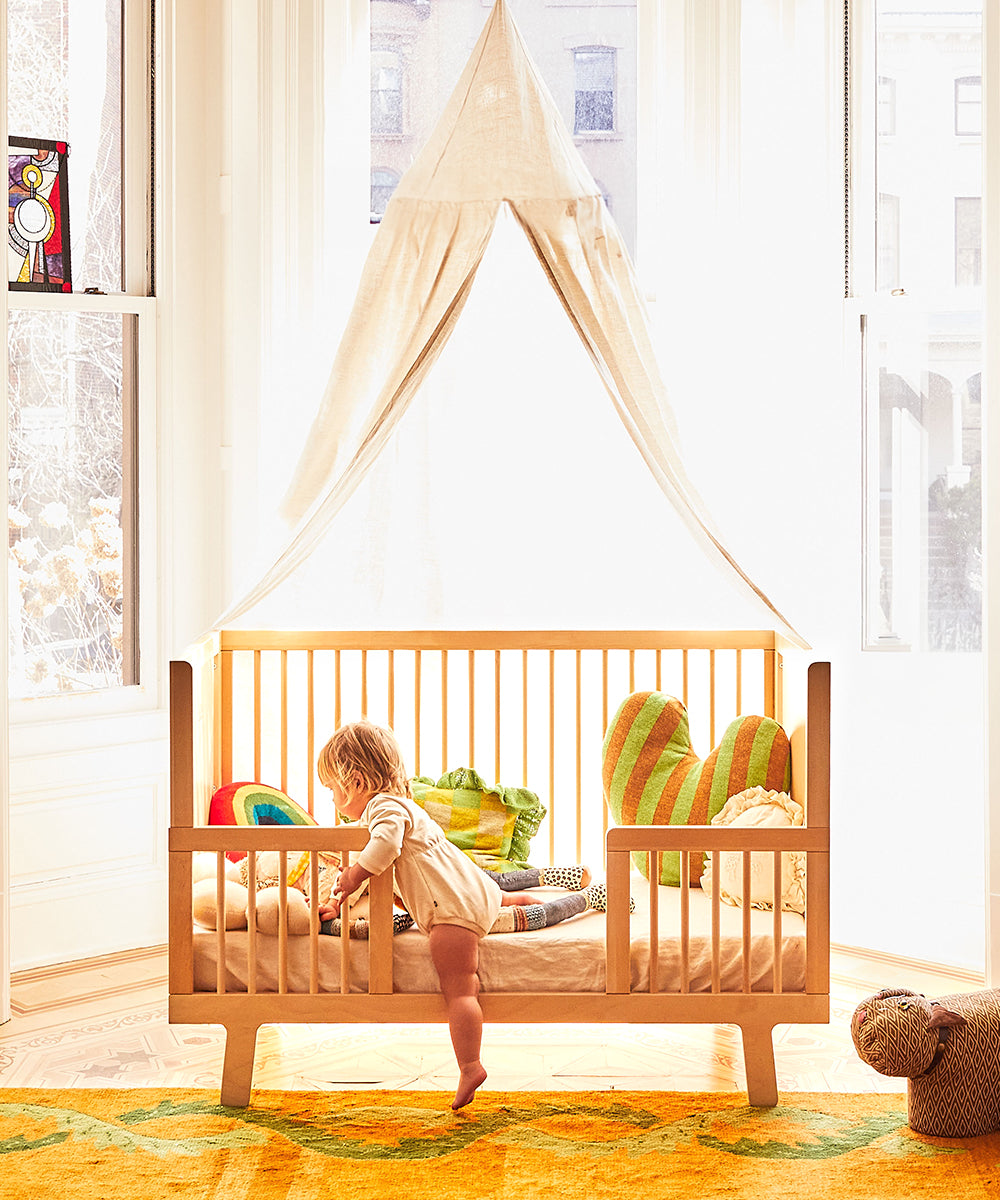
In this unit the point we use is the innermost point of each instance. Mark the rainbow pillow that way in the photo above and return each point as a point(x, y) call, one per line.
point(258, 804)
point(652, 776)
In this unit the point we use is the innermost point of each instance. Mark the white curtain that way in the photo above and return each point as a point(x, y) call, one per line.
point(500, 142)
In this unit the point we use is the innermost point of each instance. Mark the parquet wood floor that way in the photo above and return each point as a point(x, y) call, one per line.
point(103, 1023)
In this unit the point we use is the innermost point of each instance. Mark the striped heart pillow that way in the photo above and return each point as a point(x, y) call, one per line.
point(652, 776)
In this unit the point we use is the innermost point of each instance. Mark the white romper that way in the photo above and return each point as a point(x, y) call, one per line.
point(438, 884)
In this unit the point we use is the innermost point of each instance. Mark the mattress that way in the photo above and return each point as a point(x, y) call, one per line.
point(568, 957)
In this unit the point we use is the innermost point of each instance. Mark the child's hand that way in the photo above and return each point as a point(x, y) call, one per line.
point(348, 881)
point(329, 910)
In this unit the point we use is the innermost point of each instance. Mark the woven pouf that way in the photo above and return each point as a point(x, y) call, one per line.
point(949, 1051)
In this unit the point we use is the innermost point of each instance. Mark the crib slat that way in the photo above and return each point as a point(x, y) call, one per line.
point(716, 888)
point(684, 676)
point(224, 720)
point(579, 758)
point(496, 716)
point(364, 684)
point(776, 957)
point(604, 730)
point(220, 922)
point(284, 720)
point(739, 683)
point(770, 683)
point(711, 697)
point(654, 921)
point(472, 709)
point(552, 755)
point(256, 714)
point(659, 673)
point(631, 670)
point(337, 690)
point(416, 711)
point(282, 923)
point(685, 922)
point(310, 734)
point(391, 687)
point(444, 711)
point(313, 923)
point(746, 921)
point(252, 921)
point(524, 718)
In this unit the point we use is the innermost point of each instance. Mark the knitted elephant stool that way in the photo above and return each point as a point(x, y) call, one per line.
point(949, 1050)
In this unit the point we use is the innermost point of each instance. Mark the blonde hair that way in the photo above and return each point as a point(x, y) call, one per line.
point(367, 750)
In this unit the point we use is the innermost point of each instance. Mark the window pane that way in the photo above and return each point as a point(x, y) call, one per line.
point(71, 547)
point(924, 48)
point(925, 416)
point(64, 85)
point(586, 54)
point(969, 106)
point(924, 338)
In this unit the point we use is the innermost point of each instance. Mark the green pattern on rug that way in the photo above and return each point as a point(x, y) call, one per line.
point(114, 1144)
point(444, 1133)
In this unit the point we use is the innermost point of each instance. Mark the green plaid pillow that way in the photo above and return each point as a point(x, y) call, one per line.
point(493, 825)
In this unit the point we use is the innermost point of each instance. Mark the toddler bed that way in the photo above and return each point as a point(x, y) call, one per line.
point(531, 709)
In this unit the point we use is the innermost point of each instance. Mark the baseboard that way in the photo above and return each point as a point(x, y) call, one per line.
point(856, 964)
point(40, 989)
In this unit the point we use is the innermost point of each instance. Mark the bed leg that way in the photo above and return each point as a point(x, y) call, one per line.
point(758, 1063)
point(237, 1065)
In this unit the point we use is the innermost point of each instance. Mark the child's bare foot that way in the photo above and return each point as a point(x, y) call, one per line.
point(473, 1074)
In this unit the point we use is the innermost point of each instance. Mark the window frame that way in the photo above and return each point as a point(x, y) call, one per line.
point(962, 106)
point(139, 376)
point(867, 309)
point(612, 53)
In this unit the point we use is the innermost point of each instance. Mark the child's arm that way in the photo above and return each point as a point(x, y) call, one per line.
point(387, 823)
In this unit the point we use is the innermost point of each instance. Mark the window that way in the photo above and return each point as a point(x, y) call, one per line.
point(387, 93)
point(969, 106)
point(594, 110)
point(887, 238)
point(968, 241)
point(383, 185)
point(922, 322)
point(886, 106)
point(78, 363)
point(417, 51)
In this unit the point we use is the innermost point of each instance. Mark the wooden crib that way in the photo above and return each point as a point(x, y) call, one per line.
point(522, 708)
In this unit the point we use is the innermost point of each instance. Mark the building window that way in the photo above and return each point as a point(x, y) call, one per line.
point(886, 106)
point(383, 185)
point(968, 241)
point(78, 365)
point(594, 109)
point(921, 348)
point(387, 93)
point(969, 106)
point(887, 236)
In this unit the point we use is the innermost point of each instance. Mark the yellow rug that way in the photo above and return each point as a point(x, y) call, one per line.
point(109, 1144)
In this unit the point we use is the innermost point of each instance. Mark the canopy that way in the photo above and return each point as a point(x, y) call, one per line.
point(500, 141)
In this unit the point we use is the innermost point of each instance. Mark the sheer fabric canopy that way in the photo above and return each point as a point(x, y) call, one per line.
point(499, 143)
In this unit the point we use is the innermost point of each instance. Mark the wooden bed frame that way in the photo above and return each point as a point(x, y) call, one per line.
point(521, 707)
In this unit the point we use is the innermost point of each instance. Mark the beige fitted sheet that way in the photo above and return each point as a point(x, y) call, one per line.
point(568, 957)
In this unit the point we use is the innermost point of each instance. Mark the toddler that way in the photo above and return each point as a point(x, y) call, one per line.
point(450, 898)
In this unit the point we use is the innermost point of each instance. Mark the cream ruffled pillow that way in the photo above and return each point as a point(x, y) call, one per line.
point(758, 808)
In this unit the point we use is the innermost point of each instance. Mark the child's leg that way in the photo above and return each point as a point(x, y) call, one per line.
point(522, 898)
point(572, 878)
point(455, 954)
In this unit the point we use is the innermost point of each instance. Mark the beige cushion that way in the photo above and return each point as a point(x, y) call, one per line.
point(759, 808)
